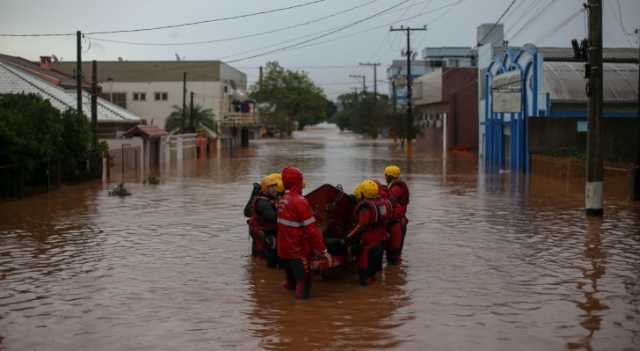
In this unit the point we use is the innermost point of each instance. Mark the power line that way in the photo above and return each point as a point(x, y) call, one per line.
point(386, 25)
point(563, 23)
point(321, 35)
point(498, 21)
point(535, 17)
point(244, 36)
point(144, 29)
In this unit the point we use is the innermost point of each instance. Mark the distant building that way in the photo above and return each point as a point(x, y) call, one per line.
point(433, 58)
point(535, 102)
point(19, 75)
point(445, 103)
point(152, 89)
point(449, 56)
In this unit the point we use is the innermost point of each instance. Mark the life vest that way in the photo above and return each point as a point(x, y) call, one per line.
point(404, 198)
point(380, 209)
point(258, 224)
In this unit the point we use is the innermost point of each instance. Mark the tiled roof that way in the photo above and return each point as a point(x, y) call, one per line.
point(16, 80)
point(145, 130)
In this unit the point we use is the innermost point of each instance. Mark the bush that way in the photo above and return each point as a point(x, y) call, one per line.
point(32, 131)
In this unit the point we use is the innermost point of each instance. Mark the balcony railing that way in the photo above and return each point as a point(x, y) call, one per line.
point(239, 119)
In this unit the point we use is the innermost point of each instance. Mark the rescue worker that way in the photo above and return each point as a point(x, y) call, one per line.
point(299, 239)
point(399, 197)
point(263, 221)
point(370, 231)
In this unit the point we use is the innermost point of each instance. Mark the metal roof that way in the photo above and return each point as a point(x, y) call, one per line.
point(14, 80)
point(564, 81)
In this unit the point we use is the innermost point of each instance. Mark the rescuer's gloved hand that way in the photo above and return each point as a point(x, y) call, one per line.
point(328, 257)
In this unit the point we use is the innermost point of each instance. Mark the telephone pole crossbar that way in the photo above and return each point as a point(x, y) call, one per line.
point(409, 131)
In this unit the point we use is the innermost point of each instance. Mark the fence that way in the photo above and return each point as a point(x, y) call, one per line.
point(32, 177)
point(124, 159)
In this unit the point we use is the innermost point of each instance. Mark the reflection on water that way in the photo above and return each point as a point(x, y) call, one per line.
point(494, 261)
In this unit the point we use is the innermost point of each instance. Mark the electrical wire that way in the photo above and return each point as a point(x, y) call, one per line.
point(187, 24)
point(563, 23)
point(244, 36)
point(498, 21)
point(349, 25)
point(533, 18)
point(386, 25)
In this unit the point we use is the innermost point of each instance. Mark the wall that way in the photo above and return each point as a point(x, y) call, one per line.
point(460, 91)
point(208, 94)
point(560, 136)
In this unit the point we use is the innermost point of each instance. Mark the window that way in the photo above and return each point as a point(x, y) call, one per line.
point(161, 96)
point(119, 99)
point(139, 96)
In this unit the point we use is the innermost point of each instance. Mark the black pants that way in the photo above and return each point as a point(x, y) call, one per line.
point(298, 274)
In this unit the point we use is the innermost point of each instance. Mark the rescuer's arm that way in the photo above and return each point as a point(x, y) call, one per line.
point(399, 210)
point(364, 217)
point(316, 240)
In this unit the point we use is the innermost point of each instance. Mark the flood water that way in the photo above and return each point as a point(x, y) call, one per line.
point(493, 262)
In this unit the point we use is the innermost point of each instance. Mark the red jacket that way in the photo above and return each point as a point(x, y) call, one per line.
point(371, 214)
point(399, 196)
point(298, 235)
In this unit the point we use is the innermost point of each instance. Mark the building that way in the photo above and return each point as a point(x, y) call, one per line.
point(490, 42)
point(19, 75)
point(445, 103)
point(433, 58)
point(449, 56)
point(536, 103)
point(397, 74)
point(151, 89)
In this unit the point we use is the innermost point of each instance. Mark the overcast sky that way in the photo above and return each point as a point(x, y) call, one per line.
point(450, 23)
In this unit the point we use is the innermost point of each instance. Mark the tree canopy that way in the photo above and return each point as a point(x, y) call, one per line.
point(289, 99)
point(32, 131)
point(202, 117)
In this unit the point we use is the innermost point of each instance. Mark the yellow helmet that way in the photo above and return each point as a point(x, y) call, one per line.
point(369, 189)
point(278, 178)
point(392, 171)
point(268, 181)
point(357, 192)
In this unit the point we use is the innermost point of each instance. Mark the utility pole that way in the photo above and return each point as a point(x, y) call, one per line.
point(260, 79)
point(375, 76)
point(192, 128)
point(184, 100)
point(635, 176)
point(595, 169)
point(394, 100)
point(364, 81)
point(94, 105)
point(409, 131)
point(79, 71)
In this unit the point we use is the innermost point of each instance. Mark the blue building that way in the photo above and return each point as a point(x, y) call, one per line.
point(536, 102)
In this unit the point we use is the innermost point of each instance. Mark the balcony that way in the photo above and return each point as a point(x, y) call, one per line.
point(239, 119)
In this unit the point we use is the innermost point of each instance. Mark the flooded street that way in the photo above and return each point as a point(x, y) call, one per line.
point(490, 262)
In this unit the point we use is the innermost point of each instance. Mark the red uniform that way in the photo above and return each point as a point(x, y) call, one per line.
point(298, 235)
point(371, 215)
point(399, 197)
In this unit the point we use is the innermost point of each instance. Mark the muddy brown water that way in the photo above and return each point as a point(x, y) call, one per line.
point(492, 262)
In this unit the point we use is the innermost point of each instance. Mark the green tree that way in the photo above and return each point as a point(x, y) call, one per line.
point(202, 117)
point(33, 132)
point(289, 99)
point(363, 113)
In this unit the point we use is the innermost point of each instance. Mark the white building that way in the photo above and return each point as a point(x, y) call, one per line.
point(151, 89)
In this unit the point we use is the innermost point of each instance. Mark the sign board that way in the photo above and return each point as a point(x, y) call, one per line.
point(506, 91)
